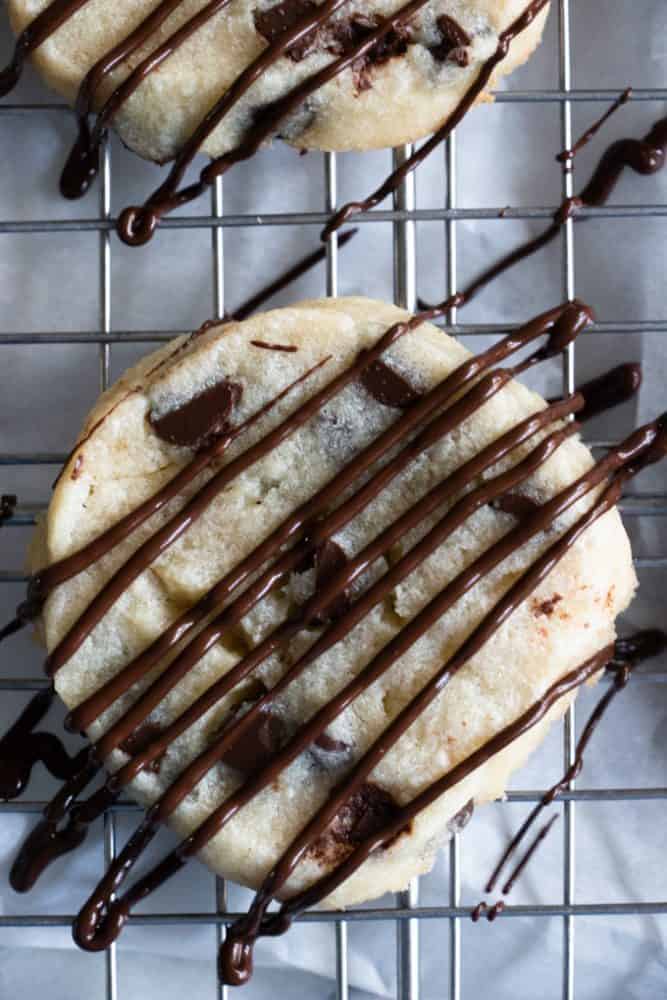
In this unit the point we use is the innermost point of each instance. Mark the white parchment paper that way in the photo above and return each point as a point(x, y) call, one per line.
point(48, 282)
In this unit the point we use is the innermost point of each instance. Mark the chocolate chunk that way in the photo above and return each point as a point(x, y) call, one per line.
point(461, 819)
point(388, 387)
point(453, 47)
point(365, 813)
point(337, 37)
point(329, 745)
point(275, 21)
point(515, 504)
point(348, 34)
point(329, 559)
point(258, 744)
point(203, 418)
point(137, 742)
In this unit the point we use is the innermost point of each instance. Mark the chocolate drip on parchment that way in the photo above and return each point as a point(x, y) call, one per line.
point(567, 155)
point(21, 748)
point(645, 156)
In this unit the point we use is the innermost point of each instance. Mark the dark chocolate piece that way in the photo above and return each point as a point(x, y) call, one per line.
point(453, 44)
point(202, 419)
point(258, 744)
point(516, 504)
point(386, 386)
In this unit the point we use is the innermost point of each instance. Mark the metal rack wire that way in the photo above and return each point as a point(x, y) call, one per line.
point(404, 218)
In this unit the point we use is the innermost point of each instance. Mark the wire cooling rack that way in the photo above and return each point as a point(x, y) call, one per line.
point(404, 217)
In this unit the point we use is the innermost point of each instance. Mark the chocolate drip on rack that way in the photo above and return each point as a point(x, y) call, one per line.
point(568, 155)
point(490, 912)
point(21, 748)
point(64, 824)
point(645, 156)
point(474, 91)
point(626, 654)
point(293, 273)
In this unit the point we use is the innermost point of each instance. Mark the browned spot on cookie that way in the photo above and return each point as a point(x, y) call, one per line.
point(545, 607)
point(609, 599)
point(461, 819)
point(78, 465)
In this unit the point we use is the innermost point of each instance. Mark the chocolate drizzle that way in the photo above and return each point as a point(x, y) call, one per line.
point(21, 748)
point(359, 43)
point(609, 390)
point(568, 155)
point(202, 420)
point(8, 502)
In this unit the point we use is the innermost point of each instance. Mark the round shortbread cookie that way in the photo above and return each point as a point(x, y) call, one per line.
point(121, 461)
point(404, 90)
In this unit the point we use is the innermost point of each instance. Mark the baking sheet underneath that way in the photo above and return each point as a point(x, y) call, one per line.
point(48, 282)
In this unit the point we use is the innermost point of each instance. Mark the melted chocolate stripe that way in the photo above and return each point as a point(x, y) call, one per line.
point(83, 162)
point(474, 91)
point(37, 32)
point(292, 274)
point(562, 325)
point(327, 594)
point(236, 954)
point(644, 446)
point(541, 835)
